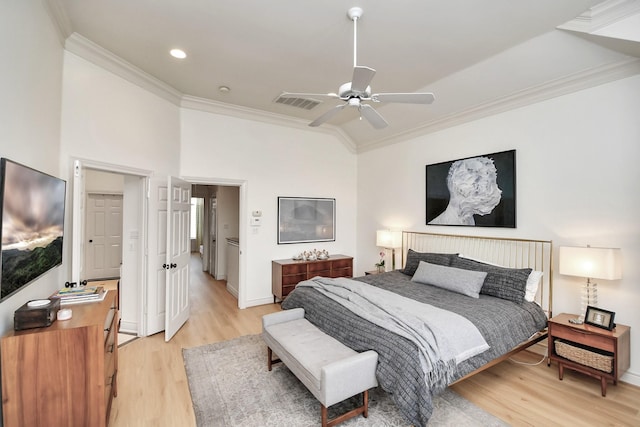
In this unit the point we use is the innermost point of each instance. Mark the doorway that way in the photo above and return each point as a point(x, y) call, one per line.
point(103, 231)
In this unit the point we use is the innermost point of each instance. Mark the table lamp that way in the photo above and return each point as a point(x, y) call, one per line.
point(389, 240)
point(592, 263)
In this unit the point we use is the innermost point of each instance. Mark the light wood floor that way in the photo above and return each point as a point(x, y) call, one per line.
point(153, 390)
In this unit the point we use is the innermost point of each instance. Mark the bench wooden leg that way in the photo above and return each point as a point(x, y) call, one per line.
point(364, 410)
point(270, 359)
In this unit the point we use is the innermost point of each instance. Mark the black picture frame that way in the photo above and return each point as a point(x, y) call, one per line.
point(306, 220)
point(478, 176)
point(600, 318)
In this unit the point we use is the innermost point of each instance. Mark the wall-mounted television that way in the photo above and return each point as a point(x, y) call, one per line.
point(32, 224)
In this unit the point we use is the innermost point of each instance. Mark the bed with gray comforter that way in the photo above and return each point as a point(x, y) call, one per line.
point(503, 323)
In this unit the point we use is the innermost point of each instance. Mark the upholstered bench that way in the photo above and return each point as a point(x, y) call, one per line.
point(330, 370)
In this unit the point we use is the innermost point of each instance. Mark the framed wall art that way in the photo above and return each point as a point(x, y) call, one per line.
point(475, 191)
point(600, 318)
point(304, 220)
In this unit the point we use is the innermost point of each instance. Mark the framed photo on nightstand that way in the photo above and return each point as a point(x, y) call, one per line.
point(600, 318)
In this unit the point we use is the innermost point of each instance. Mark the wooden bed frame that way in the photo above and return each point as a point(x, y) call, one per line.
point(507, 252)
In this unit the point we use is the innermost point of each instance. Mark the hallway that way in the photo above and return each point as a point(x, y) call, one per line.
point(152, 383)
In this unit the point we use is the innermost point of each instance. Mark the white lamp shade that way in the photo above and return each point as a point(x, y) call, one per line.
point(388, 239)
point(593, 263)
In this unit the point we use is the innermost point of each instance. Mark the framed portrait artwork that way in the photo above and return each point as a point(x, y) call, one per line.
point(475, 191)
point(304, 220)
point(600, 318)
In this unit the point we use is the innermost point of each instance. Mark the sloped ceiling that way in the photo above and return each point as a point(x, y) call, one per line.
point(477, 57)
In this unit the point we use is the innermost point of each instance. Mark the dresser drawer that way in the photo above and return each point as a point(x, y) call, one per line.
point(583, 337)
point(294, 269)
point(342, 272)
point(293, 279)
point(316, 268)
point(342, 263)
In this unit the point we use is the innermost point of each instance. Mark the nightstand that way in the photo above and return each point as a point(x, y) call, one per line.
point(588, 349)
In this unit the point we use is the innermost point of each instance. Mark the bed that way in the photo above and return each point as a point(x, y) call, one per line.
point(508, 317)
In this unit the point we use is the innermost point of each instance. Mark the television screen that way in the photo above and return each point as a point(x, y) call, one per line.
point(32, 225)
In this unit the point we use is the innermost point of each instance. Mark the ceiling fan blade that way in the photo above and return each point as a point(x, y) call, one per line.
point(361, 78)
point(308, 95)
point(409, 98)
point(376, 120)
point(328, 115)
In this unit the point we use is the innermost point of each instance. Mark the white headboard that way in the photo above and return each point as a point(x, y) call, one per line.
point(507, 252)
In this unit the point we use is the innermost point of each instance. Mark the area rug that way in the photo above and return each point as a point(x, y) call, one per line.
point(230, 386)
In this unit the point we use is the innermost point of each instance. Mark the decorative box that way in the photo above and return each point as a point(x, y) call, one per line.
point(36, 314)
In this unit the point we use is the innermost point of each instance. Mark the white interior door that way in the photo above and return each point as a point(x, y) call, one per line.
point(213, 226)
point(103, 247)
point(169, 251)
point(179, 252)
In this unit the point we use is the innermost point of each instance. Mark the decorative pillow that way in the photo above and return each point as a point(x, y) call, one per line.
point(414, 258)
point(465, 282)
point(533, 281)
point(501, 282)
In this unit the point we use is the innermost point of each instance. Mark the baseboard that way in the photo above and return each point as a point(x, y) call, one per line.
point(232, 291)
point(260, 301)
point(631, 378)
point(128, 327)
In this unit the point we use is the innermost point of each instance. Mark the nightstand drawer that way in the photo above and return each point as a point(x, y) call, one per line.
point(584, 337)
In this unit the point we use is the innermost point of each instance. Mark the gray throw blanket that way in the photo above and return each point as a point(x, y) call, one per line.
point(428, 327)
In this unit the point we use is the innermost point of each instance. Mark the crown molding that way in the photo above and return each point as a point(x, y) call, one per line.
point(105, 59)
point(602, 15)
point(59, 18)
point(215, 107)
point(562, 86)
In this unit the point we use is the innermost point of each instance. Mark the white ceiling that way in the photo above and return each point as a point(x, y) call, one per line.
point(477, 57)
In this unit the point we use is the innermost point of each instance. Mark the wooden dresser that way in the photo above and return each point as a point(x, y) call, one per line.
point(287, 273)
point(65, 374)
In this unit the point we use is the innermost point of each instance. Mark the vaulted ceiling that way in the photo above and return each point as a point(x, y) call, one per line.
point(477, 57)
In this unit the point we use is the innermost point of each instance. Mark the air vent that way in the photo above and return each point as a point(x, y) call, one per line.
point(303, 103)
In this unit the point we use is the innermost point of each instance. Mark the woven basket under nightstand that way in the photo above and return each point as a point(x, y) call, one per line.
point(584, 355)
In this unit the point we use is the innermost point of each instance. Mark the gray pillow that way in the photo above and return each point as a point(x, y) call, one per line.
point(465, 282)
point(414, 258)
point(501, 282)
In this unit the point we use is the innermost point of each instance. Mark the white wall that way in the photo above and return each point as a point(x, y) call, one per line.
point(577, 184)
point(31, 87)
point(105, 118)
point(274, 161)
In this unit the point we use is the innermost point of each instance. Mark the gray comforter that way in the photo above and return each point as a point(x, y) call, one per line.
point(502, 323)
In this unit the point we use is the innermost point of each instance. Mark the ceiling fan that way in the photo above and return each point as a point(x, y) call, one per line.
point(358, 89)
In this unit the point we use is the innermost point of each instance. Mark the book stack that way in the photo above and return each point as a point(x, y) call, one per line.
point(80, 295)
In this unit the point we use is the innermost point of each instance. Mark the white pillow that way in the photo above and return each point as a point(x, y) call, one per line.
point(533, 281)
point(465, 282)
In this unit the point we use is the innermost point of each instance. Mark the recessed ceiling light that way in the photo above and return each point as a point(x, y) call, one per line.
point(178, 53)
